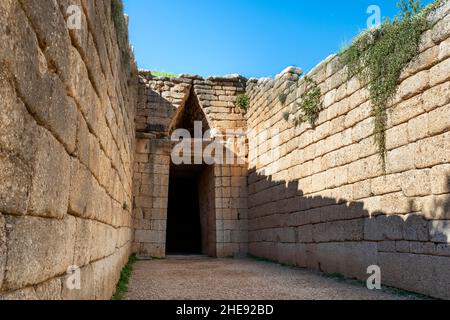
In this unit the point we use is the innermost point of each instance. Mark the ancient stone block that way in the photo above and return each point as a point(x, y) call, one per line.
point(418, 273)
point(383, 228)
point(440, 72)
point(400, 159)
point(418, 128)
point(415, 228)
point(440, 231)
point(81, 188)
point(87, 291)
point(49, 194)
point(38, 249)
point(440, 177)
point(351, 230)
point(347, 258)
point(416, 183)
point(16, 182)
point(430, 152)
point(2, 249)
point(438, 120)
point(49, 290)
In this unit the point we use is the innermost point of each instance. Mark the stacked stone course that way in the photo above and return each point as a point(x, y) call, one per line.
point(85, 161)
point(325, 203)
point(66, 150)
point(161, 104)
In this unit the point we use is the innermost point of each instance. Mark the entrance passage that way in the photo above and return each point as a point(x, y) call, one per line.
point(184, 234)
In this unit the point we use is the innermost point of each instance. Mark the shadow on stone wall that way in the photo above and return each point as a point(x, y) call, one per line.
point(335, 236)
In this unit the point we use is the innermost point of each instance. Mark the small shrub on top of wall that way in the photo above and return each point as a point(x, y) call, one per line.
point(309, 107)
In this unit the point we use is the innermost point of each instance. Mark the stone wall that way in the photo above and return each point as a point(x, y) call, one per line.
point(164, 105)
point(318, 197)
point(67, 131)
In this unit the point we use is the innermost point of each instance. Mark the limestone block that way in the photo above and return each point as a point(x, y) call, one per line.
point(423, 61)
point(424, 248)
point(347, 258)
point(440, 72)
point(17, 127)
point(49, 290)
point(20, 295)
point(415, 228)
point(435, 207)
point(413, 85)
point(431, 151)
point(81, 189)
point(440, 177)
point(49, 194)
point(38, 249)
point(50, 27)
point(418, 128)
point(440, 30)
point(396, 137)
point(87, 291)
point(305, 234)
point(418, 273)
point(438, 120)
point(406, 110)
point(42, 91)
point(437, 96)
point(351, 230)
point(2, 249)
point(383, 228)
point(416, 183)
point(16, 177)
point(84, 242)
point(400, 159)
point(82, 148)
point(440, 231)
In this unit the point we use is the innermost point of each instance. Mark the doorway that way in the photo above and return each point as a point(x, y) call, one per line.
point(184, 231)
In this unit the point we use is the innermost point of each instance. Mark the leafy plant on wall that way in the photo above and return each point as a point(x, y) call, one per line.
point(309, 107)
point(378, 56)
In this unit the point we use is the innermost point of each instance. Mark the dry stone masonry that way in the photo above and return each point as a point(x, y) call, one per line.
point(66, 150)
point(86, 161)
point(324, 203)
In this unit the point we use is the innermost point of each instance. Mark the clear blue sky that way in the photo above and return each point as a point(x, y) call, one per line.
point(254, 38)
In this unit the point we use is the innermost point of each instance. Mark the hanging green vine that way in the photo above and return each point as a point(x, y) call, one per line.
point(309, 107)
point(378, 57)
point(243, 102)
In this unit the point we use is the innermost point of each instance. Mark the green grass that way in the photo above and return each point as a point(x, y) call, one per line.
point(163, 74)
point(122, 286)
point(243, 102)
point(309, 107)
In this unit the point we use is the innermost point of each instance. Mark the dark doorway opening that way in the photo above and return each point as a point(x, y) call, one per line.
point(184, 234)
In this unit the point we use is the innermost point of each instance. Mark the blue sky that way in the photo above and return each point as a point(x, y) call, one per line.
point(254, 38)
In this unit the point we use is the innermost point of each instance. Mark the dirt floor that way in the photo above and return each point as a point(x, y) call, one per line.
point(200, 278)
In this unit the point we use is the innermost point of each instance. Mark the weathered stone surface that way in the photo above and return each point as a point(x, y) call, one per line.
point(87, 290)
point(49, 194)
point(49, 290)
point(347, 258)
point(440, 231)
point(416, 183)
point(16, 183)
point(383, 228)
point(2, 249)
point(22, 294)
point(415, 228)
point(440, 177)
point(38, 249)
point(418, 273)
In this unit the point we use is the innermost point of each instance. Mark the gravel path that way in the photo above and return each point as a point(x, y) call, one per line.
point(199, 278)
